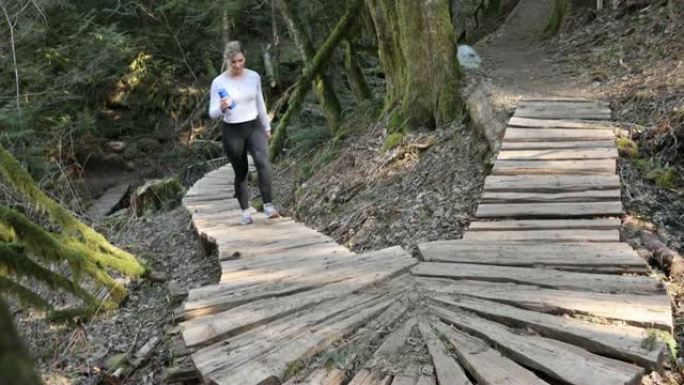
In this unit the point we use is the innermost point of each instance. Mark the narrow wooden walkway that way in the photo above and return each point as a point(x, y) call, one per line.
point(539, 291)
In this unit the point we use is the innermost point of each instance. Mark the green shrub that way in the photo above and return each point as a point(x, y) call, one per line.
point(560, 10)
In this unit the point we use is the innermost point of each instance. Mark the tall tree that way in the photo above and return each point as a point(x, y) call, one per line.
point(416, 44)
point(322, 83)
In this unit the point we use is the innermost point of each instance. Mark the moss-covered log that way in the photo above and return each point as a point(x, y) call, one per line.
point(22, 183)
point(16, 367)
point(49, 247)
point(14, 262)
point(322, 83)
point(357, 82)
point(314, 67)
point(416, 45)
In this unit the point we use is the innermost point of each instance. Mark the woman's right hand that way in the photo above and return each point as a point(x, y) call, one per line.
point(225, 103)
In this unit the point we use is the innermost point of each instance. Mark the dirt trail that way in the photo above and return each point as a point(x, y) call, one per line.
point(516, 63)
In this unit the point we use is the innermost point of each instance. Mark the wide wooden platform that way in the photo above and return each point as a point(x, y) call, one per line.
point(539, 291)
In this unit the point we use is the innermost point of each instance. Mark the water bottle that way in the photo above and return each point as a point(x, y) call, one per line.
point(224, 94)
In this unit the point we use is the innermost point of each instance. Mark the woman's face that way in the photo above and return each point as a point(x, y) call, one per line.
point(237, 64)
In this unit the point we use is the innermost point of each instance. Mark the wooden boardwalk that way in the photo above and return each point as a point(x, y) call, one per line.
point(539, 291)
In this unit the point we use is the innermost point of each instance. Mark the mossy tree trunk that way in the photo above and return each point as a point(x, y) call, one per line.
point(16, 367)
point(24, 243)
point(417, 48)
point(322, 83)
point(357, 82)
point(313, 68)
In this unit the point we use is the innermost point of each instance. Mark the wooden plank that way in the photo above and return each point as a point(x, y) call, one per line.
point(650, 311)
point(616, 257)
point(550, 113)
point(549, 210)
point(537, 167)
point(558, 360)
point(486, 365)
point(448, 371)
point(223, 297)
point(514, 134)
point(367, 377)
point(393, 343)
point(562, 102)
point(572, 235)
point(542, 197)
point(265, 354)
point(564, 145)
point(516, 121)
point(404, 380)
point(212, 328)
point(547, 224)
point(621, 342)
point(427, 380)
point(602, 283)
point(551, 183)
point(559, 154)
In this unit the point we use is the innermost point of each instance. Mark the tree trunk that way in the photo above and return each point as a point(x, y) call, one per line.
point(313, 68)
point(416, 45)
point(23, 184)
point(357, 82)
point(16, 366)
point(322, 83)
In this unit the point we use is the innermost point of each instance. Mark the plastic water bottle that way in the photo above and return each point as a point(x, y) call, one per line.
point(224, 94)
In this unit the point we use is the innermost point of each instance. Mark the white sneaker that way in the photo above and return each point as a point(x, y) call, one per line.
point(246, 218)
point(270, 211)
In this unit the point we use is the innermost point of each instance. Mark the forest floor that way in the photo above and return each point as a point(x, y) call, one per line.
point(424, 189)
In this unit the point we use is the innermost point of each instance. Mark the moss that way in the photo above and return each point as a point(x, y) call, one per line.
point(158, 194)
point(650, 342)
point(392, 140)
point(22, 183)
point(293, 368)
point(16, 366)
point(627, 147)
point(561, 8)
point(663, 177)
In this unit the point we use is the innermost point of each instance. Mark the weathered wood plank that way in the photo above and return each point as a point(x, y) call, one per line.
point(565, 123)
point(448, 371)
point(564, 235)
point(650, 311)
point(602, 283)
point(537, 167)
point(622, 342)
point(486, 365)
point(549, 210)
point(559, 154)
point(212, 328)
point(564, 145)
point(615, 257)
point(551, 183)
point(224, 297)
point(541, 197)
point(548, 224)
point(514, 134)
point(558, 113)
point(265, 353)
point(405, 380)
point(558, 360)
point(562, 102)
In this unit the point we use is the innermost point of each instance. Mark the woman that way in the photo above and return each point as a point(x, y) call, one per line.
point(236, 97)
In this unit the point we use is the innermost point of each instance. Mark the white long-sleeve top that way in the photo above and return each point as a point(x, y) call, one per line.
point(246, 92)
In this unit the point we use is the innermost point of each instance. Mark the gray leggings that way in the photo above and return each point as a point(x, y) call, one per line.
point(238, 139)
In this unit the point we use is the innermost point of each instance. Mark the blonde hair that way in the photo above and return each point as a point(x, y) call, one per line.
point(231, 49)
